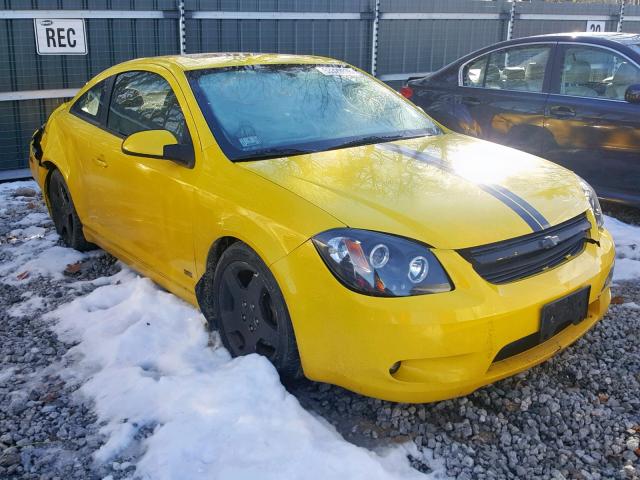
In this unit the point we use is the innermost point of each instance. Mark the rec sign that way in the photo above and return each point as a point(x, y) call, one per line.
point(60, 36)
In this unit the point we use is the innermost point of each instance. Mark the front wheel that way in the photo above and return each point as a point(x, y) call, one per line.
point(250, 311)
point(64, 215)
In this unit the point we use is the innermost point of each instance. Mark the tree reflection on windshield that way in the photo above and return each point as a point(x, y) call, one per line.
point(271, 108)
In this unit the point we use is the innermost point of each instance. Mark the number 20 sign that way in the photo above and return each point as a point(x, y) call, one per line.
point(62, 36)
point(596, 26)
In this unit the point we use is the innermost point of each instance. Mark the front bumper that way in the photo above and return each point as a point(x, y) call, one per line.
point(446, 342)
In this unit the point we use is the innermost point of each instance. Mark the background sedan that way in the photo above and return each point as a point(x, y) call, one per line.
point(571, 98)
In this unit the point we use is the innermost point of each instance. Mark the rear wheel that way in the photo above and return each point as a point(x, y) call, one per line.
point(250, 311)
point(64, 215)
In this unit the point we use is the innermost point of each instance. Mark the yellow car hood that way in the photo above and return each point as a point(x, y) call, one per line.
point(449, 191)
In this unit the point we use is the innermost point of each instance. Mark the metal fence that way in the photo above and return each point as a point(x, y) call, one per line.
point(394, 39)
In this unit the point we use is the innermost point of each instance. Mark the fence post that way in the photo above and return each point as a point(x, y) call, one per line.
point(182, 37)
point(621, 18)
point(512, 18)
point(374, 37)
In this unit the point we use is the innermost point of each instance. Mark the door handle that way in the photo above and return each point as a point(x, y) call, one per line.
point(471, 100)
point(100, 161)
point(559, 111)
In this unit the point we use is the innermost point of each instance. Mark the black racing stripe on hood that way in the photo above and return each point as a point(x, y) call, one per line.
point(513, 205)
point(520, 206)
point(530, 209)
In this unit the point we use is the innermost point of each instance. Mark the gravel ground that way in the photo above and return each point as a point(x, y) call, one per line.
point(45, 431)
point(576, 416)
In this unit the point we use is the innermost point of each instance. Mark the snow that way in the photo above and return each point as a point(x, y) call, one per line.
point(631, 305)
point(35, 218)
point(147, 361)
point(28, 233)
point(36, 252)
point(52, 261)
point(39, 257)
point(627, 240)
point(28, 306)
point(9, 187)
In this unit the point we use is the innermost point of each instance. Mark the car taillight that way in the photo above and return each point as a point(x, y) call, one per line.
point(406, 92)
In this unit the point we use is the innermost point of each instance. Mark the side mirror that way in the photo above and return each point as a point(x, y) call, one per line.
point(160, 144)
point(632, 95)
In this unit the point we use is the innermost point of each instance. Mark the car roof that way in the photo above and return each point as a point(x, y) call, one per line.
point(197, 61)
point(597, 38)
point(607, 39)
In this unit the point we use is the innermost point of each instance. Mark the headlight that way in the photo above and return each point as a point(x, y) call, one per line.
point(381, 265)
point(590, 193)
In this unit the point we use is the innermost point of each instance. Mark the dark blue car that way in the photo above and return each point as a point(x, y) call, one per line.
point(571, 98)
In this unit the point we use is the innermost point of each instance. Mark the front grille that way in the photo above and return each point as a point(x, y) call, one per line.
point(521, 257)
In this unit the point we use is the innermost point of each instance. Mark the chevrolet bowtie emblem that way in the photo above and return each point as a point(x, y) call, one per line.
point(549, 241)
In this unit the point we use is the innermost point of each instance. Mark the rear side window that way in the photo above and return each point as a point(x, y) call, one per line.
point(473, 73)
point(518, 68)
point(145, 101)
point(91, 103)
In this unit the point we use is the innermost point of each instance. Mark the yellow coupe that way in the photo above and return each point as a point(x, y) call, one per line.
point(320, 219)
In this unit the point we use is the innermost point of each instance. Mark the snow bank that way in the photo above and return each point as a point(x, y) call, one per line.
point(627, 240)
point(151, 368)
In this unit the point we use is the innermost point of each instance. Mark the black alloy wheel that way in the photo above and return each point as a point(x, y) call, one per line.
point(251, 314)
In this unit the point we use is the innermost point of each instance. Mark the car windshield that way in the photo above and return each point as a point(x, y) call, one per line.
point(267, 111)
point(636, 47)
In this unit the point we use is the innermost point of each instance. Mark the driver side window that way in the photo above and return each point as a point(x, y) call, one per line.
point(145, 101)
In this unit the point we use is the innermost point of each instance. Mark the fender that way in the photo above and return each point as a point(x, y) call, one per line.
point(218, 216)
point(220, 220)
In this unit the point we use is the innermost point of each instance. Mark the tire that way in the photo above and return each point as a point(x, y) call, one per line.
point(250, 312)
point(64, 215)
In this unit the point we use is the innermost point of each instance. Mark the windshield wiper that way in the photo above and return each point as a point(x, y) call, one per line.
point(268, 153)
point(275, 152)
point(372, 139)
